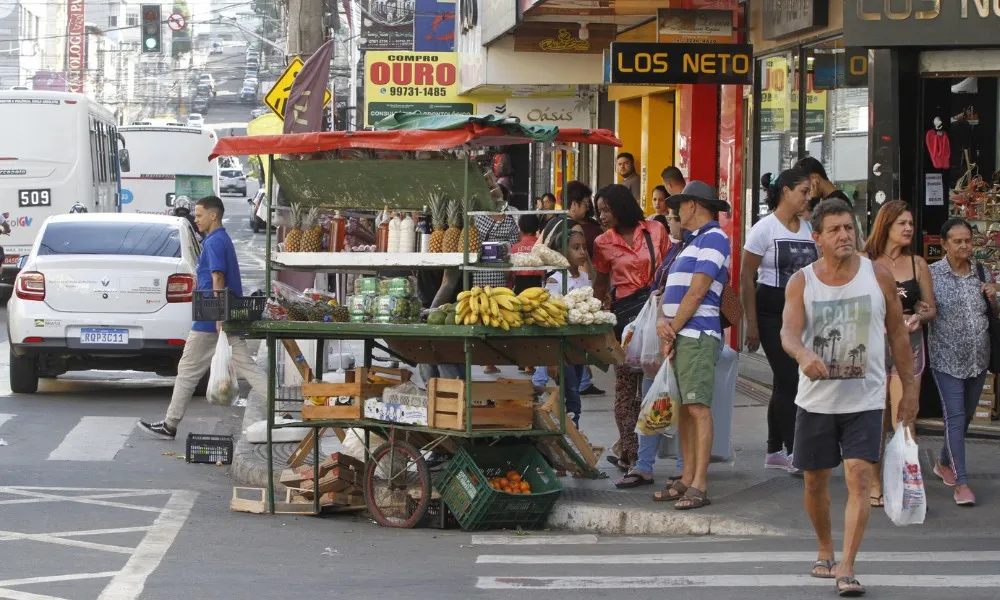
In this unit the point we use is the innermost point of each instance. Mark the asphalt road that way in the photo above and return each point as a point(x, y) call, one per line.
point(92, 509)
point(228, 70)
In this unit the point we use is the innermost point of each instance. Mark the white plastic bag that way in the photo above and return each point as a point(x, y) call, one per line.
point(222, 385)
point(645, 326)
point(257, 432)
point(902, 483)
point(658, 414)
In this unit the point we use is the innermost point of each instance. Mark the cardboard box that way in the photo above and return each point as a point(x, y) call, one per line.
point(985, 402)
point(990, 386)
point(982, 414)
point(395, 413)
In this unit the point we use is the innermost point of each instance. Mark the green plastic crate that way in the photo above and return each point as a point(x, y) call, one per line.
point(465, 488)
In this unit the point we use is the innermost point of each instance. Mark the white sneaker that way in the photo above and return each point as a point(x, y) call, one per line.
point(791, 467)
point(778, 460)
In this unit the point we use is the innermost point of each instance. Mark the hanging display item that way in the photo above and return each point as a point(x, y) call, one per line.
point(938, 145)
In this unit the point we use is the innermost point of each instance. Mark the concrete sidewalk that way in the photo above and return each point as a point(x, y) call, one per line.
point(746, 499)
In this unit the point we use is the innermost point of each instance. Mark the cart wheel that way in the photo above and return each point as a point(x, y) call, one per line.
point(397, 485)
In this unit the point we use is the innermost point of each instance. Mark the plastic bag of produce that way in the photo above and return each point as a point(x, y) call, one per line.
point(222, 386)
point(403, 287)
point(393, 309)
point(902, 482)
point(645, 326)
point(366, 285)
point(650, 355)
point(657, 413)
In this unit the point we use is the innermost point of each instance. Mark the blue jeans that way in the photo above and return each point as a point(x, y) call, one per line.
point(585, 381)
point(574, 373)
point(648, 444)
point(958, 404)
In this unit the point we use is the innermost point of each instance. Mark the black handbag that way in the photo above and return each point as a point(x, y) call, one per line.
point(627, 309)
point(993, 327)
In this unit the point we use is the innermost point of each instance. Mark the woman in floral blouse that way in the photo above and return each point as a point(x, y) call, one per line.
point(959, 348)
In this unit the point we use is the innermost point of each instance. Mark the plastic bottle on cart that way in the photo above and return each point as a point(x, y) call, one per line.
point(407, 234)
point(423, 232)
point(395, 231)
point(382, 237)
point(338, 232)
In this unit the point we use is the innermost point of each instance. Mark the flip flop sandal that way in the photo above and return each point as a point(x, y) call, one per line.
point(826, 563)
point(852, 592)
point(633, 480)
point(877, 501)
point(665, 496)
point(693, 498)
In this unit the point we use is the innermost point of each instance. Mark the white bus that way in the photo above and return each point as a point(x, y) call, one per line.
point(57, 149)
point(158, 155)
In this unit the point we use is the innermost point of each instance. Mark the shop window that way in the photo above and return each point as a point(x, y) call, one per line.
point(778, 115)
point(836, 119)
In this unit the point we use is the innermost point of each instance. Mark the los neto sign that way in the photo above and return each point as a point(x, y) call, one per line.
point(647, 63)
point(404, 75)
point(927, 23)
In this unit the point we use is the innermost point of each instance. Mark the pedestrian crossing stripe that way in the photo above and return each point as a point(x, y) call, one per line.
point(735, 581)
point(4, 417)
point(95, 439)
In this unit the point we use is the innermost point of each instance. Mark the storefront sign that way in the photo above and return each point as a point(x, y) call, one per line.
point(498, 17)
point(934, 189)
point(680, 26)
point(387, 25)
point(75, 46)
point(786, 17)
point(883, 24)
point(779, 105)
point(562, 112)
point(562, 38)
point(434, 26)
point(411, 81)
point(648, 63)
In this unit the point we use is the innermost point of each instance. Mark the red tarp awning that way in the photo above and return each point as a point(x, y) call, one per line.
point(399, 140)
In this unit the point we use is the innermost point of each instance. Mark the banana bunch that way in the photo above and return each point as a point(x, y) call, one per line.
point(491, 306)
point(539, 308)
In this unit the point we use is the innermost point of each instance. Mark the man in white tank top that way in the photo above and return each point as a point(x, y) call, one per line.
point(837, 311)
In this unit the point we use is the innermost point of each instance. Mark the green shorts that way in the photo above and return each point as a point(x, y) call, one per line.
point(694, 366)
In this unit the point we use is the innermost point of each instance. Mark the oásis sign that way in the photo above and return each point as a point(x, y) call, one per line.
point(928, 23)
point(647, 63)
point(75, 46)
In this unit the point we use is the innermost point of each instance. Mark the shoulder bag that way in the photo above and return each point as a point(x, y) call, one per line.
point(627, 309)
point(993, 327)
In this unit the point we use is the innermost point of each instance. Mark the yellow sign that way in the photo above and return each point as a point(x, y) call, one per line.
point(278, 96)
point(779, 101)
point(401, 81)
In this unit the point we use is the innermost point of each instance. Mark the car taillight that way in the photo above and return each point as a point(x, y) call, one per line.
point(180, 287)
point(30, 285)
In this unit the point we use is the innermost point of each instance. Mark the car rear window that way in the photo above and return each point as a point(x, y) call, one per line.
point(131, 239)
point(232, 173)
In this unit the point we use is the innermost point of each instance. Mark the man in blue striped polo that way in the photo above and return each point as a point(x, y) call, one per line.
point(691, 332)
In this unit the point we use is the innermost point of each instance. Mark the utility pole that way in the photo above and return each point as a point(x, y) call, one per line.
point(305, 27)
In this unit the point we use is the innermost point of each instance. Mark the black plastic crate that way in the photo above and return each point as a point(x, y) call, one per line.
point(204, 448)
point(226, 306)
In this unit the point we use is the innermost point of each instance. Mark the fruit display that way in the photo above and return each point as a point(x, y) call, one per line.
point(385, 300)
point(298, 306)
point(363, 308)
point(366, 285)
point(584, 309)
point(293, 239)
point(403, 287)
point(511, 483)
point(312, 232)
point(499, 307)
point(454, 237)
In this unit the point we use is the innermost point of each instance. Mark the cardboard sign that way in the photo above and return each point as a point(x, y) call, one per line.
point(648, 63)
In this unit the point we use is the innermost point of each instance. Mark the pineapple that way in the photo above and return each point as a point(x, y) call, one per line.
point(453, 239)
point(293, 240)
point(312, 232)
point(440, 220)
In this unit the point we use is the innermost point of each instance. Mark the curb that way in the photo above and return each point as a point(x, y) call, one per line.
point(246, 469)
point(581, 517)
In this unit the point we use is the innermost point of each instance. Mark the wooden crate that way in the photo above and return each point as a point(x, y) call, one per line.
point(560, 452)
point(513, 404)
point(360, 384)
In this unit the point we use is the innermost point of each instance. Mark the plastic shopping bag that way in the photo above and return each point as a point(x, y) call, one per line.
point(657, 414)
point(902, 483)
point(645, 327)
point(222, 386)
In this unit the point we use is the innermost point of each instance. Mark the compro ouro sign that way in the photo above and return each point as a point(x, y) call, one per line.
point(648, 63)
point(411, 82)
point(927, 23)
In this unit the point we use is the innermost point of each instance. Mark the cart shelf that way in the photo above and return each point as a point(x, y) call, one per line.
point(360, 261)
point(385, 425)
point(360, 331)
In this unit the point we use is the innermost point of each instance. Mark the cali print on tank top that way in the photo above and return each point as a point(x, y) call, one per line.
point(844, 326)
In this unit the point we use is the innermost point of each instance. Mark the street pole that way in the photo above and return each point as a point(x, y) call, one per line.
point(305, 27)
point(352, 98)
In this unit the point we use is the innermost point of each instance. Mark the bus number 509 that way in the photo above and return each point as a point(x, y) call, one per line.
point(29, 198)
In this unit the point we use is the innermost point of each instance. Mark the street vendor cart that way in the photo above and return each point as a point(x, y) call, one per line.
point(487, 428)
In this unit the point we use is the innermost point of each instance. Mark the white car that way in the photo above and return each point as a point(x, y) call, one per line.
point(196, 120)
point(102, 291)
point(216, 48)
point(233, 180)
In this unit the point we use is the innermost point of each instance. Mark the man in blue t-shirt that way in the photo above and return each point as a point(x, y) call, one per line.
point(218, 269)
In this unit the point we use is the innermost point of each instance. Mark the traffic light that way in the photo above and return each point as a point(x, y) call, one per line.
point(151, 25)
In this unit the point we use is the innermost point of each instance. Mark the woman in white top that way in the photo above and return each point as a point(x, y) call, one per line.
point(777, 247)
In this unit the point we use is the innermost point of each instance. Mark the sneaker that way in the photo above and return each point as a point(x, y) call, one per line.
point(792, 469)
point(965, 497)
point(945, 473)
point(158, 429)
point(778, 460)
point(592, 390)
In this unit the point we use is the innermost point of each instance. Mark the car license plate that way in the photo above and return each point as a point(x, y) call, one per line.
point(104, 336)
